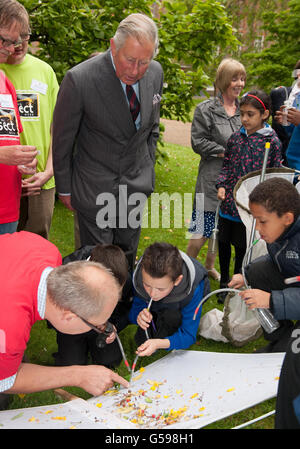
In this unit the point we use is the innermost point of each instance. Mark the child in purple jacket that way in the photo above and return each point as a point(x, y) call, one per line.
point(244, 154)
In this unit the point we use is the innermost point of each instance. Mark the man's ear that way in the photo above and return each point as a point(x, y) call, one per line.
point(178, 280)
point(112, 46)
point(67, 315)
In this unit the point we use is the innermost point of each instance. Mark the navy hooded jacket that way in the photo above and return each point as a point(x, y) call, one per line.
point(285, 253)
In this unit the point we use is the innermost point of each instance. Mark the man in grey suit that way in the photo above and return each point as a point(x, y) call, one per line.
point(103, 156)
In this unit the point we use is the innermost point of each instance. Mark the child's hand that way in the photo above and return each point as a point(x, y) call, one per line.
point(237, 281)
point(221, 193)
point(255, 298)
point(144, 319)
point(147, 348)
point(111, 336)
point(279, 115)
point(151, 345)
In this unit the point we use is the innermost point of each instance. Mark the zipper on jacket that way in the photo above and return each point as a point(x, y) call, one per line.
point(278, 253)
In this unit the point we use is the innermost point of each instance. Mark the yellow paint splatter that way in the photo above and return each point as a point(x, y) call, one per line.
point(31, 419)
point(178, 391)
point(99, 405)
point(154, 384)
point(194, 395)
point(230, 389)
point(137, 377)
point(59, 418)
point(111, 392)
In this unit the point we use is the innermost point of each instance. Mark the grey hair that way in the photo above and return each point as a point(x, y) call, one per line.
point(139, 26)
point(12, 11)
point(68, 288)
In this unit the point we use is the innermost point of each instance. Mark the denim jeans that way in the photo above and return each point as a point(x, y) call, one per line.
point(8, 228)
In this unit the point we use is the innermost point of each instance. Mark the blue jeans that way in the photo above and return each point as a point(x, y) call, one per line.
point(8, 228)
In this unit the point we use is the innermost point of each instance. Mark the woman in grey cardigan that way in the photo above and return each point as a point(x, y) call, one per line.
point(213, 123)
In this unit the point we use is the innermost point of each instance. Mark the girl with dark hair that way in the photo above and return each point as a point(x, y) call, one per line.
point(244, 154)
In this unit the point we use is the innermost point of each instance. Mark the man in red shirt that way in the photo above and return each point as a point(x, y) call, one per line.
point(35, 286)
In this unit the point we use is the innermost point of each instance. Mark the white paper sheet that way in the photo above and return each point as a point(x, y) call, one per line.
point(191, 388)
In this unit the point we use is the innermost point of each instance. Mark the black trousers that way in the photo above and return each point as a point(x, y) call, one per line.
point(126, 238)
point(289, 385)
point(263, 274)
point(230, 233)
point(165, 323)
point(75, 349)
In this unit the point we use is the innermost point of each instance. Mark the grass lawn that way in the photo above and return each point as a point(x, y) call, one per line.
point(178, 174)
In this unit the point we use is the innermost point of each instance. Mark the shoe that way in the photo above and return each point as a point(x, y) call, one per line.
point(214, 274)
point(4, 401)
point(276, 346)
point(264, 349)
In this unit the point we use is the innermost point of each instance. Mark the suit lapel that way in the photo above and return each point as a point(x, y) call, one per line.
point(146, 97)
point(113, 95)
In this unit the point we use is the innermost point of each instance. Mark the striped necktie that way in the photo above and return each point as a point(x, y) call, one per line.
point(134, 104)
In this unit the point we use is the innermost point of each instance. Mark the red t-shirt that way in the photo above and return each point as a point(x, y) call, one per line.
point(10, 128)
point(23, 258)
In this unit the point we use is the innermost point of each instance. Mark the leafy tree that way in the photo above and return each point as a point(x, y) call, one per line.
point(193, 39)
point(272, 66)
point(247, 19)
point(70, 30)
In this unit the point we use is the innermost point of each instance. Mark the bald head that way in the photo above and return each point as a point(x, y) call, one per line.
point(82, 287)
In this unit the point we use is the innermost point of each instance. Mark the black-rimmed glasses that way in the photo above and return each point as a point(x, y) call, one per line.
point(104, 332)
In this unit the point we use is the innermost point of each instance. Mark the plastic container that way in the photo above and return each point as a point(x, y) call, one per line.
point(266, 319)
point(213, 242)
point(284, 112)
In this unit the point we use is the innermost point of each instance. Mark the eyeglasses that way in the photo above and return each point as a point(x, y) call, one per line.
point(8, 42)
point(103, 332)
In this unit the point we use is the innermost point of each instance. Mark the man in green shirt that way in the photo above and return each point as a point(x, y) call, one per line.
point(36, 86)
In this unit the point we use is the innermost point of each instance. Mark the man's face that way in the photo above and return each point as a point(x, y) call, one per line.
point(8, 37)
point(132, 60)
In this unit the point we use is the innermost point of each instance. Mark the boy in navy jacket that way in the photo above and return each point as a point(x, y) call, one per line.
point(275, 204)
point(176, 283)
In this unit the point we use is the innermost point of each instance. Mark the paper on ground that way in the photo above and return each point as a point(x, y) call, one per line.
point(199, 387)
